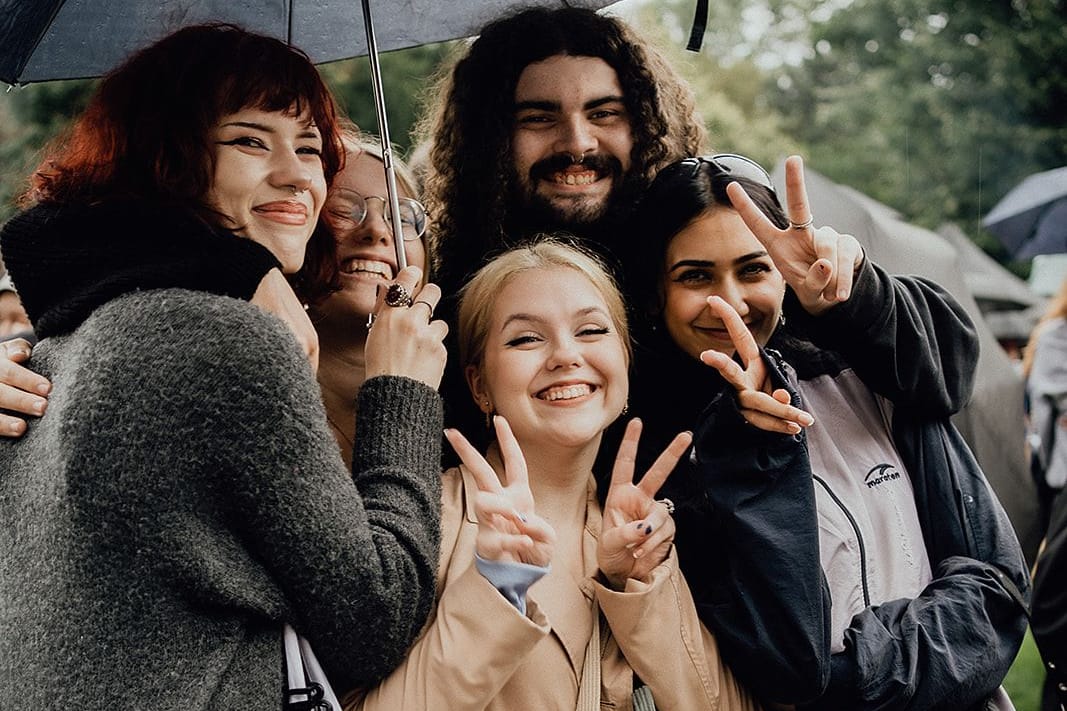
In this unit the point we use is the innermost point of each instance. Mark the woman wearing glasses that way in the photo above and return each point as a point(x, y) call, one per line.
point(357, 213)
point(860, 558)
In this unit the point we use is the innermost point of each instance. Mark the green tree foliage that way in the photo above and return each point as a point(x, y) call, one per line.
point(937, 107)
point(405, 77)
point(30, 116)
point(729, 84)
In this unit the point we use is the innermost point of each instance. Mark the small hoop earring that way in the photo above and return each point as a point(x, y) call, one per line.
point(781, 320)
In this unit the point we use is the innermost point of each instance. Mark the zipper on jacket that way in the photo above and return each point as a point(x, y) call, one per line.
point(859, 538)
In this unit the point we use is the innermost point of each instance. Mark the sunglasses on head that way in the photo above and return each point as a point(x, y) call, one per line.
point(732, 165)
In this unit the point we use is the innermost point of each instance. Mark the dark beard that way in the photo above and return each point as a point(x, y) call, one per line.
point(608, 234)
point(530, 213)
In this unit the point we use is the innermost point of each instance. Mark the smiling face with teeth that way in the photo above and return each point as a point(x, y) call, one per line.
point(569, 108)
point(716, 254)
point(555, 366)
point(365, 251)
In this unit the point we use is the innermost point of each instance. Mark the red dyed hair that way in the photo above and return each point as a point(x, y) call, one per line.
point(145, 131)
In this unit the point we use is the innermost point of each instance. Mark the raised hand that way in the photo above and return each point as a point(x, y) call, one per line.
point(761, 407)
point(508, 527)
point(21, 390)
point(637, 531)
point(405, 340)
point(818, 264)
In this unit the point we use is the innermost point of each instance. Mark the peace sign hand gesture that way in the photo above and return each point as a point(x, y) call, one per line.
point(637, 531)
point(759, 406)
point(508, 528)
point(818, 264)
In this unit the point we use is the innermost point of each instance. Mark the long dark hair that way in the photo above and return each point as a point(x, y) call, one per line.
point(471, 126)
point(680, 193)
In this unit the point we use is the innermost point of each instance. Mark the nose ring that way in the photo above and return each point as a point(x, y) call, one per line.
point(296, 190)
point(576, 160)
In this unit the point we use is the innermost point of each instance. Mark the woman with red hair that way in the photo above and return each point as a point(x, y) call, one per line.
point(184, 498)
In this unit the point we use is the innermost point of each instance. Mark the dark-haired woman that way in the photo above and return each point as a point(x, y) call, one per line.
point(839, 537)
point(184, 497)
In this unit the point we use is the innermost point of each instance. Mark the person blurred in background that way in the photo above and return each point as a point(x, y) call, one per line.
point(1045, 372)
point(1045, 369)
point(14, 323)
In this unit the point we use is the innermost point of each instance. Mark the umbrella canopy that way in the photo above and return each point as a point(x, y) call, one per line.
point(1032, 218)
point(42, 40)
point(992, 422)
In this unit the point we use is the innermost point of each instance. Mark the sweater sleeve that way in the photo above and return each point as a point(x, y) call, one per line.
point(906, 337)
point(206, 422)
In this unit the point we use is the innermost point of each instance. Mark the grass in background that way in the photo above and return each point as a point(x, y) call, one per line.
point(1025, 677)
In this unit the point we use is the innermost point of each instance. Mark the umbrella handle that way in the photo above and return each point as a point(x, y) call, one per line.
point(383, 133)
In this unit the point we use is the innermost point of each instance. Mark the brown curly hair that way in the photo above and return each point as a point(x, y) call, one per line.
point(472, 120)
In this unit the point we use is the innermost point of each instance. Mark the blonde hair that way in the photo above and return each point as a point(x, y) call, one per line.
point(357, 142)
point(1057, 308)
point(544, 252)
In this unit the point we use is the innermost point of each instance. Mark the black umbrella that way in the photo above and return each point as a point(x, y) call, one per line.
point(1032, 218)
point(43, 40)
point(992, 422)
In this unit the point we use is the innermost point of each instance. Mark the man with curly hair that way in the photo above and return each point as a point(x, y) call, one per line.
point(555, 119)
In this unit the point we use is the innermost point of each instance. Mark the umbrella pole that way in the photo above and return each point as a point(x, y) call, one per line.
point(383, 133)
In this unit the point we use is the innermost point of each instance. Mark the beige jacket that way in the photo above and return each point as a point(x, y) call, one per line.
point(478, 652)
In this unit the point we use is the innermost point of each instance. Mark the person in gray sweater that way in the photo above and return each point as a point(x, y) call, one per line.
point(184, 496)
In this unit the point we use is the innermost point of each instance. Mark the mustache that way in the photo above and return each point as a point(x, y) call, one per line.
point(602, 164)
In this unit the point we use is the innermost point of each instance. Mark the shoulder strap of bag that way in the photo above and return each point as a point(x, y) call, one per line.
point(307, 688)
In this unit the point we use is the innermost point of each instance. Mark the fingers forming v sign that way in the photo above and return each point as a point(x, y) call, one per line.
point(637, 532)
point(761, 407)
point(508, 528)
point(819, 264)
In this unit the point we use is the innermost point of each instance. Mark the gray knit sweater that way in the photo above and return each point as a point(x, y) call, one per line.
point(183, 496)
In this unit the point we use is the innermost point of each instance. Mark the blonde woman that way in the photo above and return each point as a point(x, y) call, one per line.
point(546, 599)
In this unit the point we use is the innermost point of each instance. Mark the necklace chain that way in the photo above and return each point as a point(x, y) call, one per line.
point(344, 435)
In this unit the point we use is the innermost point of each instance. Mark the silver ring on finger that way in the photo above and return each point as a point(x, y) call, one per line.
point(669, 504)
point(806, 224)
point(427, 305)
point(397, 296)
